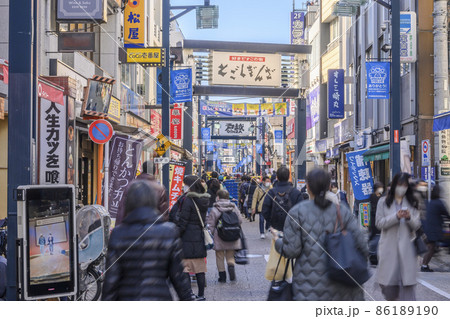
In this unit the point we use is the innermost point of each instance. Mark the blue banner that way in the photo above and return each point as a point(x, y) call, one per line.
point(424, 173)
point(336, 94)
point(297, 27)
point(209, 146)
point(360, 175)
point(378, 79)
point(278, 136)
point(313, 102)
point(214, 108)
point(206, 133)
point(181, 85)
point(259, 149)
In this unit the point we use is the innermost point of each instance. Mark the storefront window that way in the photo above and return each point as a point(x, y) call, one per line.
point(126, 74)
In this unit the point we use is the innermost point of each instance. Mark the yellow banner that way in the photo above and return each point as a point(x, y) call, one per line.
point(149, 56)
point(134, 24)
point(281, 109)
point(252, 109)
point(114, 110)
point(266, 109)
point(239, 109)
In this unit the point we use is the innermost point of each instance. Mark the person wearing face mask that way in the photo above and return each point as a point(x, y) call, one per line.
point(398, 219)
point(257, 204)
point(421, 195)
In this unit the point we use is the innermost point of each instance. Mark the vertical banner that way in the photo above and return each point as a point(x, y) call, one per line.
point(278, 136)
point(238, 109)
point(364, 214)
point(71, 136)
point(314, 99)
point(124, 155)
point(209, 146)
point(290, 129)
point(176, 183)
point(253, 109)
point(378, 77)
point(308, 115)
point(206, 133)
point(281, 109)
point(259, 148)
point(297, 28)
point(52, 142)
point(156, 123)
point(134, 24)
point(360, 174)
point(336, 94)
point(181, 85)
point(408, 37)
point(176, 122)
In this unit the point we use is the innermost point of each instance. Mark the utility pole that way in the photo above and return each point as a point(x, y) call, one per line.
point(166, 85)
point(396, 127)
point(22, 82)
point(187, 133)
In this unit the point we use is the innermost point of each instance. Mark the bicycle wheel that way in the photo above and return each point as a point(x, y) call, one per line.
point(93, 286)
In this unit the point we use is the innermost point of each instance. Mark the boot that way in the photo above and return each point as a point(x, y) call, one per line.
point(231, 273)
point(222, 276)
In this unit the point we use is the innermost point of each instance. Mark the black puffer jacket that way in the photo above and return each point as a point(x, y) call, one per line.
point(190, 226)
point(142, 272)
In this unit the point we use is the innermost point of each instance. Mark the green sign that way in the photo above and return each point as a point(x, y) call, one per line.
point(364, 214)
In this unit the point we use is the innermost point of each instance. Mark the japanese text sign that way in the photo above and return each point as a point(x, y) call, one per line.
point(124, 155)
point(206, 133)
point(52, 143)
point(176, 185)
point(134, 24)
point(314, 103)
point(156, 122)
point(176, 122)
point(360, 175)
point(215, 108)
point(364, 214)
point(336, 94)
point(146, 56)
point(114, 110)
point(378, 77)
point(278, 136)
point(181, 85)
point(251, 69)
point(162, 144)
point(81, 10)
point(235, 128)
point(408, 37)
point(290, 129)
point(426, 161)
point(297, 28)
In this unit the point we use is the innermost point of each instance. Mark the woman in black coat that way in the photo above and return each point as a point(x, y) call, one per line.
point(191, 231)
point(251, 191)
point(436, 210)
point(144, 253)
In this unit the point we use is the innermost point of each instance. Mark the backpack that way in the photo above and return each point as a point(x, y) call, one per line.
point(280, 207)
point(228, 227)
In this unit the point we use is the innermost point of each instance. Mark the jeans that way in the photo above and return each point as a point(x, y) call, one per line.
point(261, 224)
point(51, 248)
point(42, 249)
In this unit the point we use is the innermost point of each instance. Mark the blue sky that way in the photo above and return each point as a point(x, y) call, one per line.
point(266, 21)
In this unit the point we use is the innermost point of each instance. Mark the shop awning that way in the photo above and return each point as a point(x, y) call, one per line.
point(377, 153)
point(441, 122)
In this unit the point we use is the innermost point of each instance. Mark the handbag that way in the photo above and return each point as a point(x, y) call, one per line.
point(346, 264)
point(281, 290)
point(207, 236)
point(240, 256)
point(419, 242)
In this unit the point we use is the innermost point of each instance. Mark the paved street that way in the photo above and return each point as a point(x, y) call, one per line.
point(251, 284)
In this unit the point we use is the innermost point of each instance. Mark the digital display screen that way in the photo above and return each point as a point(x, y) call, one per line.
point(50, 241)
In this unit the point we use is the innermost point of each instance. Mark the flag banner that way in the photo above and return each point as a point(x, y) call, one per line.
point(360, 174)
point(238, 109)
point(218, 108)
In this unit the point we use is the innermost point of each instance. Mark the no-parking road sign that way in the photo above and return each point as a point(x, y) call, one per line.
point(100, 131)
point(426, 152)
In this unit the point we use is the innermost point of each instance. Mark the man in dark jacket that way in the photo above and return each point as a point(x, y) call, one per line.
point(144, 253)
point(162, 204)
point(281, 188)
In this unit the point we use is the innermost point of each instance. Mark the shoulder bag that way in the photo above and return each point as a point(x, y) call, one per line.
point(281, 290)
point(207, 236)
point(346, 264)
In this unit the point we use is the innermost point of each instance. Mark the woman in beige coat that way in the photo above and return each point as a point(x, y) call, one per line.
point(257, 204)
point(224, 249)
point(398, 220)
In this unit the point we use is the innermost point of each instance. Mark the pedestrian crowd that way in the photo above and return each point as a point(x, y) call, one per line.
point(153, 248)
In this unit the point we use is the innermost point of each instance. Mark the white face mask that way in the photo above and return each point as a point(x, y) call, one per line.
point(267, 184)
point(380, 191)
point(400, 191)
point(186, 188)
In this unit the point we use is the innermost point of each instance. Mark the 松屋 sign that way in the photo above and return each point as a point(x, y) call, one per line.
point(231, 68)
point(134, 24)
point(228, 128)
point(52, 143)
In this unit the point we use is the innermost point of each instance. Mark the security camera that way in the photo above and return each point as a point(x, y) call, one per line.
point(386, 128)
point(383, 27)
point(386, 48)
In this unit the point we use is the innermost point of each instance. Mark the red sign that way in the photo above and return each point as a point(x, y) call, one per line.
point(5, 71)
point(51, 92)
point(290, 129)
point(176, 121)
point(176, 187)
point(156, 120)
point(247, 58)
point(396, 137)
point(100, 131)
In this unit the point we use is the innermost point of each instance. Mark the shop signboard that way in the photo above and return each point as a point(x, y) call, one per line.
point(134, 24)
point(124, 155)
point(206, 133)
point(176, 122)
point(364, 214)
point(114, 110)
point(378, 77)
point(336, 94)
point(181, 85)
point(177, 170)
point(408, 37)
point(209, 146)
point(249, 69)
point(215, 108)
point(424, 173)
point(229, 128)
point(278, 136)
point(337, 133)
point(156, 123)
point(81, 10)
point(360, 175)
point(297, 27)
point(52, 142)
point(290, 129)
point(238, 109)
point(321, 146)
point(147, 57)
point(223, 109)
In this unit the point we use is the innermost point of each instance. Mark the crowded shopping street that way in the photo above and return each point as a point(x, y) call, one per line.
point(224, 151)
